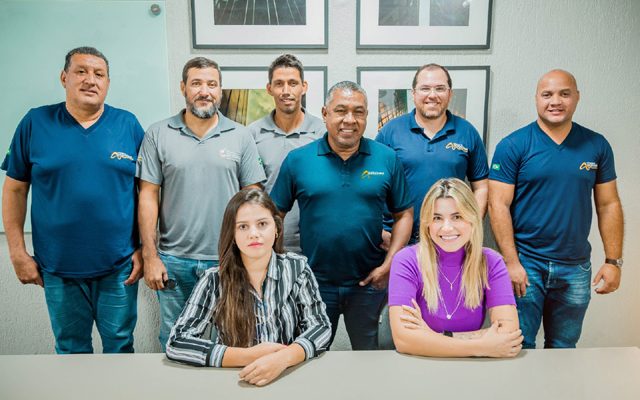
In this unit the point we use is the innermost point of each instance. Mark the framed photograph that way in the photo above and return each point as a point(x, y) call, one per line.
point(389, 93)
point(259, 24)
point(245, 98)
point(423, 24)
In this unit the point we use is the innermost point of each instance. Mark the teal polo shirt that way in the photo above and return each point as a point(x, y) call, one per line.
point(341, 205)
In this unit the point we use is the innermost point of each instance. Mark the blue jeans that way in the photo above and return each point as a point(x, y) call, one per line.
point(361, 307)
point(558, 295)
point(74, 304)
point(185, 272)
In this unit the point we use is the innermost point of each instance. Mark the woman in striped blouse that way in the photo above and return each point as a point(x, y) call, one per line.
point(265, 305)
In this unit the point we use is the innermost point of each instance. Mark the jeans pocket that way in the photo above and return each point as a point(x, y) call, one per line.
point(586, 267)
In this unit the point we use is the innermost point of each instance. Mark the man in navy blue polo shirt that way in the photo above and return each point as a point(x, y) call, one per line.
point(79, 159)
point(541, 181)
point(432, 143)
point(342, 183)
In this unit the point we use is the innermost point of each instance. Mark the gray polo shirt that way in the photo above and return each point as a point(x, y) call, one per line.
point(273, 146)
point(198, 177)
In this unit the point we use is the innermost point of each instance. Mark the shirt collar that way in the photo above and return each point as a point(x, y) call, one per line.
point(449, 126)
point(224, 125)
point(271, 127)
point(273, 272)
point(324, 148)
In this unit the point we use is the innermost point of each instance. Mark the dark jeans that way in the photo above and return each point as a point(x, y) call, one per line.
point(558, 297)
point(361, 308)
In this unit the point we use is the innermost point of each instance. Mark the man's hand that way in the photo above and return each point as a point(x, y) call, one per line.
point(378, 277)
point(519, 278)
point(137, 268)
point(386, 240)
point(610, 274)
point(155, 273)
point(27, 270)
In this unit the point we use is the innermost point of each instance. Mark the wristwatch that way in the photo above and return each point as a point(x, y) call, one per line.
point(614, 261)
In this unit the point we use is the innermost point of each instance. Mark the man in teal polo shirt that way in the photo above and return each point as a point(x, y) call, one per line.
point(199, 159)
point(342, 183)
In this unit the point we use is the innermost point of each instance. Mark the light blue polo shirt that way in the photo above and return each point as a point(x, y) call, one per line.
point(198, 177)
point(341, 205)
point(456, 151)
point(551, 208)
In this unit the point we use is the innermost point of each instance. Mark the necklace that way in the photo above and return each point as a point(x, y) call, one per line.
point(450, 314)
point(447, 279)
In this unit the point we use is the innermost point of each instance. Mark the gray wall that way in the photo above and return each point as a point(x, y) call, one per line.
point(596, 40)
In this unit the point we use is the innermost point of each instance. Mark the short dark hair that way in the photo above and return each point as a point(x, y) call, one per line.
point(431, 66)
point(92, 51)
point(200, 63)
point(286, 61)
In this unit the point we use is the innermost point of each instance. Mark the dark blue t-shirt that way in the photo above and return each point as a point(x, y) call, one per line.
point(551, 208)
point(341, 205)
point(456, 151)
point(82, 186)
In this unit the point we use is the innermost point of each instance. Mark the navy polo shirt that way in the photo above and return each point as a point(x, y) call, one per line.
point(456, 151)
point(83, 190)
point(551, 208)
point(341, 205)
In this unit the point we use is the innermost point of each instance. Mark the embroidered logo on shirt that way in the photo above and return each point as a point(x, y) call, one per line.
point(495, 167)
point(368, 174)
point(456, 146)
point(588, 165)
point(230, 155)
point(121, 156)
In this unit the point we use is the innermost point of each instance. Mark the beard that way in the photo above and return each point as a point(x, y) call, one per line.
point(202, 112)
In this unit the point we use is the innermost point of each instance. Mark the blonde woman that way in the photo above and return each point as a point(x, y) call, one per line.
point(441, 289)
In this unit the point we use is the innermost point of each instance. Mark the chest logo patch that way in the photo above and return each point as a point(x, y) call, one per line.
point(230, 155)
point(121, 156)
point(588, 166)
point(456, 146)
point(366, 174)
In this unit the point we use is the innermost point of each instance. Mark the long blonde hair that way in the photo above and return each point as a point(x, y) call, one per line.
point(474, 269)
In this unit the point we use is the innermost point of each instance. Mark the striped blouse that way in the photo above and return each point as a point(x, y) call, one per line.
point(290, 311)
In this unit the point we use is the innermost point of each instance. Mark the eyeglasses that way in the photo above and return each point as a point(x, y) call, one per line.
point(425, 90)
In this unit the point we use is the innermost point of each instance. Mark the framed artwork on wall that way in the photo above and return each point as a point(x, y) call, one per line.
point(245, 98)
point(389, 93)
point(423, 24)
point(252, 24)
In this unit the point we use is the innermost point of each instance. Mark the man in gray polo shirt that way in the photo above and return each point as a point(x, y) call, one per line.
point(199, 159)
point(287, 127)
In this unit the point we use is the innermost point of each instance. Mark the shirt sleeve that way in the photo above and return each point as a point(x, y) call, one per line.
point(398, 198)
point(251, 169)
point(505, 163)
point(186, 343)
point(405, 282)
point(477, 168)
point(283, 191)
point(313, 321)
point(17, 162)
point(500, 290)
point(606, 165)
point(149, 166)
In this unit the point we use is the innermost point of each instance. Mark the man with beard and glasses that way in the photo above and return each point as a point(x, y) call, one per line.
point(287, 127)
point(433, 144)
point(200, 159)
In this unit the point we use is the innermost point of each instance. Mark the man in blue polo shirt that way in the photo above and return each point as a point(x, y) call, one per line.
point(79, 159)
point(432, 143)
point(342, 183)
point(541, 181)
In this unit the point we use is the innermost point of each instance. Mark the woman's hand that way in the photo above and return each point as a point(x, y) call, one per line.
point(412, 317)
point(265, 369)
point(495, 344)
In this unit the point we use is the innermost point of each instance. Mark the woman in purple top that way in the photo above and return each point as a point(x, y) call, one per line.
point(441, 289)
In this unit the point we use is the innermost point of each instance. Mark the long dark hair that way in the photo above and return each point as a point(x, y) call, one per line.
point(234, 315)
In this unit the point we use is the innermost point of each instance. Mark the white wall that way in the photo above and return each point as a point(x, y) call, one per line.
point(596, 40)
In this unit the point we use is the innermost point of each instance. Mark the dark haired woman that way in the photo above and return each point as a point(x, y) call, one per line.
point(265, 305)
